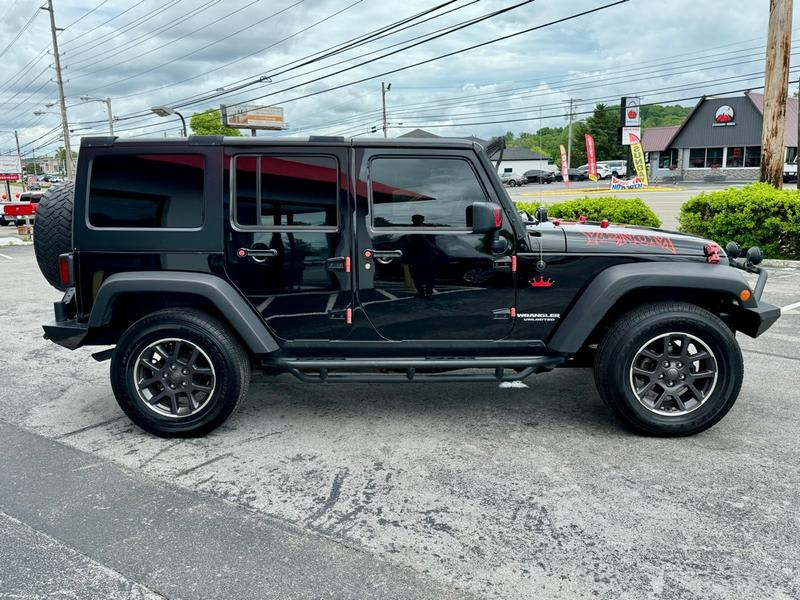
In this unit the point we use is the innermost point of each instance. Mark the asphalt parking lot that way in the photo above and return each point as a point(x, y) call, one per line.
point(394, 491)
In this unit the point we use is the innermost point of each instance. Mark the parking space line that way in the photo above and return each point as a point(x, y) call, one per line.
point(6, 256)
point(785, 309)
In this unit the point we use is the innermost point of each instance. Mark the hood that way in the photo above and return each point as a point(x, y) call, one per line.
point(592, 237)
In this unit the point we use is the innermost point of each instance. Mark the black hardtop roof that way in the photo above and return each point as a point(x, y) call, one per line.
point(218, 140)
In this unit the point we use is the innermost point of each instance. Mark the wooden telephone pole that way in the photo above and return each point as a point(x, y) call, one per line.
point(776, 89)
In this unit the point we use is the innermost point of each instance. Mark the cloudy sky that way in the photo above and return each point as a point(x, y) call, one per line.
point(200, 53)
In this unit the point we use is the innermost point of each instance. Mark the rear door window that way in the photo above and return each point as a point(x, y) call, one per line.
point(149, 191)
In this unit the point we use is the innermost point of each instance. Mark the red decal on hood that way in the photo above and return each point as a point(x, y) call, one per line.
point(595, 238)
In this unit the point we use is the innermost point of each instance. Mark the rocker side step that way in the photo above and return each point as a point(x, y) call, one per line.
point(350, 370)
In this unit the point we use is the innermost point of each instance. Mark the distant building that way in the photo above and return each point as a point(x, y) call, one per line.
point(46, 164)
point(721, 136)
point(516, 160)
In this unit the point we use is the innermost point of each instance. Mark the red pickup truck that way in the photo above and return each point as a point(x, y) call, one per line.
point(23, 208)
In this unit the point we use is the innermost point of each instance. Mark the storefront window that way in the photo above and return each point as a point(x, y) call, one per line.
point(713, 158)
point(735, 157)
point(668, 159)
point(752, 156)
point(697, 158)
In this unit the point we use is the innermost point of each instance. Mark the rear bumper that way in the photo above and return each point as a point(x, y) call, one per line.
point(70, 334)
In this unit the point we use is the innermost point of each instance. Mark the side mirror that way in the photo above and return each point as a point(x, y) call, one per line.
point(484, 217)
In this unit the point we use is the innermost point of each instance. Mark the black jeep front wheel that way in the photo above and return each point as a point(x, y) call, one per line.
point(179, 373)
point(669, 369)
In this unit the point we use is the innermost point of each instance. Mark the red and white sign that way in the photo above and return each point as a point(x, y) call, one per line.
point(632, 110)
point(724, 116)
point(591, 157)
point(564, 166)
point(9, 176)
point(629, 134)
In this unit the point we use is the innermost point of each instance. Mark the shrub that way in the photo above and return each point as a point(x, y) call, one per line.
point(630, 211)
point(754, 215)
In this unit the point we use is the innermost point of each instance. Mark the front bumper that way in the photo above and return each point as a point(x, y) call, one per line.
point(756, 320)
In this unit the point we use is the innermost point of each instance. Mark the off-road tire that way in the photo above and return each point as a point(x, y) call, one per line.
point(229, 359)
point(626, 336)
point(53, 230)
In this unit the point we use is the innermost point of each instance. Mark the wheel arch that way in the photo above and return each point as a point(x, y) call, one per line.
point(125, 297)
point(620, 288)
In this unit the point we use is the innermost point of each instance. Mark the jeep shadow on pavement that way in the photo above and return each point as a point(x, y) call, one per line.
point(200, 259)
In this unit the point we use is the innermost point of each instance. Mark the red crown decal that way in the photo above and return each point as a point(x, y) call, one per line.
point(541, 282)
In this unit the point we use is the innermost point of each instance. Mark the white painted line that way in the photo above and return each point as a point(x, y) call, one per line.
point(785, 309)
point(6, 256)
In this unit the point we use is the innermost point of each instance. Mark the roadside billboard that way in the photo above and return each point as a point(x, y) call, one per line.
point(251, 116)
point(10, 163)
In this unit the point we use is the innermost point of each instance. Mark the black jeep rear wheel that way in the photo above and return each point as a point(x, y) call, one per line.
point(53, 230)
point(179, 373)
point(669, 369)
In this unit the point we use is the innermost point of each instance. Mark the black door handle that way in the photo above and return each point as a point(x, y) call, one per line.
point(257, 254)
point(383, 253)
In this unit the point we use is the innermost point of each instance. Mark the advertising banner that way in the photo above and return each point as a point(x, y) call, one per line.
point(628, 133)
point(564, 166)
point(591, 157)
point(10, 163)
point(639, 163)
point(626, 184)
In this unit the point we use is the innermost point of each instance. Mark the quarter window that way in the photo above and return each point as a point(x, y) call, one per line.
point(422, 192)
point(281, 191)
point(147, 191)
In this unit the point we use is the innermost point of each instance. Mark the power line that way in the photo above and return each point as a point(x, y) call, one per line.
point(201, 49)
point(426, 61)
point(103, 24)
point(22, 30)
point(96, 42)
point(86, 14)
point(126, 46)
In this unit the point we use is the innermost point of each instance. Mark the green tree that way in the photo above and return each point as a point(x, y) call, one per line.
point(603, 125)
point(209, 122)
point(658, 115)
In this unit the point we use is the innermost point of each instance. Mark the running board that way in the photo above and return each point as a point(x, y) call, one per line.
point(348, 369)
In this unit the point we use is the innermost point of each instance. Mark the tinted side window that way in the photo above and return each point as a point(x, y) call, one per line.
point(147, 190)
point(422, 192)
point(286, 191)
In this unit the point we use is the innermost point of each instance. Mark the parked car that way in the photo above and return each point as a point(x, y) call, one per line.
point(790, 170)
point(35, 187)
point(539, 176)
point(513, 179)
point(574, 175)
point(195, 280)
point(603, 172)
point(617, 168)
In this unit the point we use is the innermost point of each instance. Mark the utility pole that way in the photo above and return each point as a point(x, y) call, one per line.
point(776, 89)
point(384, 88)
point(21, 174)
point(572, 102)
point(60, 83)
point(797, 150)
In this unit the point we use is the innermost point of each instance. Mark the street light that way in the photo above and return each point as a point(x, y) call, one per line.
point(107, 102)
point(166, 111)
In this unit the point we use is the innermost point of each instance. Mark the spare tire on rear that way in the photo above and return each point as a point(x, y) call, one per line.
point(53, 230)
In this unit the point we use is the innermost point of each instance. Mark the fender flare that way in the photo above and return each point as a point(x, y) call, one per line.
point(614, 282)
point(239, 314)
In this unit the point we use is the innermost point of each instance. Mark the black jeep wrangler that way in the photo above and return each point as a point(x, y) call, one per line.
point(200, 259)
